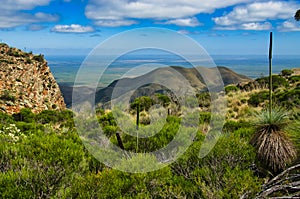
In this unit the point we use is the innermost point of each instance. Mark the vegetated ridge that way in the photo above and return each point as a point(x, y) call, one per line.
point(192, 75)
point(26, 82)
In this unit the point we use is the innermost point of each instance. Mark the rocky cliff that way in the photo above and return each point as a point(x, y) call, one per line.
point(26, 82)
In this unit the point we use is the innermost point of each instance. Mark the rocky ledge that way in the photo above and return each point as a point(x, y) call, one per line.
point(26, 82)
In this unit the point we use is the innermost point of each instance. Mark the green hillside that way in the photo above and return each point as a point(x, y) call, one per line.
point(42, 156)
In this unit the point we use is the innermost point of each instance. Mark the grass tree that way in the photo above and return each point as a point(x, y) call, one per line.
point(274, 147)
point(271, 140)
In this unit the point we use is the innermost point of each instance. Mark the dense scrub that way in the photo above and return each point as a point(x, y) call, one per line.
point(42, 156)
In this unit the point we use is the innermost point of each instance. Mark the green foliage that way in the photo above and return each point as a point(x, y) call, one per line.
point(25, 115)
point(48, 160)
point(5, 119)
point(144, 102)
point(39, 58)
point(231, 88)
point(228, 161)
point(231, 125)
point(152, 143)
point(109, 130)
point(205, 117)
point(204, 99)
point(65, 117)
point(294, 79)
point(286, 72)
point(7, 96)
point(290, 98)
point(107, 120)
point(277, 81)
point(163, 99)
point(257, 98)
point(29, 128)
point(40, 166)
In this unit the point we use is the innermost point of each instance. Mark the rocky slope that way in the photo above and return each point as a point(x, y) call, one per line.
point(26, 82)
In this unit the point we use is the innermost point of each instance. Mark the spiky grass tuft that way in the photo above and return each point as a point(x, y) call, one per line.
point(271, 140)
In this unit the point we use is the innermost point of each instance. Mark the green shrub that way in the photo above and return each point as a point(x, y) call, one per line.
point(39, 58)
point(107, 120)
point(28, 60)
point(231, 88)
point(294, 79)
point(7, 96)
point(54, 116)
point(41, 166)
point(204, 99)
point(231, 125)
point(289, 98)
point(277, 81)
point(163, 99)
point(286, 72)
point(144, 102)
point(257, 98)
point(205, 117)
point(28, 128)
point(24, 115)
point(5, 119)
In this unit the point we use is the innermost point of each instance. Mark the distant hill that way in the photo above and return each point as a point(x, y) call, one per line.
point(26, 82)
point(192, 75)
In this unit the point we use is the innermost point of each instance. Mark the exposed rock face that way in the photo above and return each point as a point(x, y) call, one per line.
point(26, 82)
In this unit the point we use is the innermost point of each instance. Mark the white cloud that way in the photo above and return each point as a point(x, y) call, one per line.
point(256, 26)
point(247, 17)
point(73, 28)
point(188, 32)
point(192, 22)
point(17, 5)
point(184, 32)
point(152, 9)
point(289, 26)
point(247, 26)
point(114, 23)
point(12, 15)
point(17, 19)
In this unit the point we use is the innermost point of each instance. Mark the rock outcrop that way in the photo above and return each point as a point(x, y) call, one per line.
point(26, 82)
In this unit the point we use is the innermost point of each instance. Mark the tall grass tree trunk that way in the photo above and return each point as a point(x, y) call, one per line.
point(274, 147)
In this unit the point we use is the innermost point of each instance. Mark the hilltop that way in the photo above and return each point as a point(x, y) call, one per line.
point(192, 75)
point(26, 82)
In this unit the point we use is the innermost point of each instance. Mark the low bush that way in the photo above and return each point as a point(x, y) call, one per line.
point(231, 88)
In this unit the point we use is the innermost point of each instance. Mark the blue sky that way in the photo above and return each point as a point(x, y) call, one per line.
point(220, 26)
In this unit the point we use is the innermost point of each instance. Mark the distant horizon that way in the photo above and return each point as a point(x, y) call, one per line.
point(85, 52)
point(64, 67)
